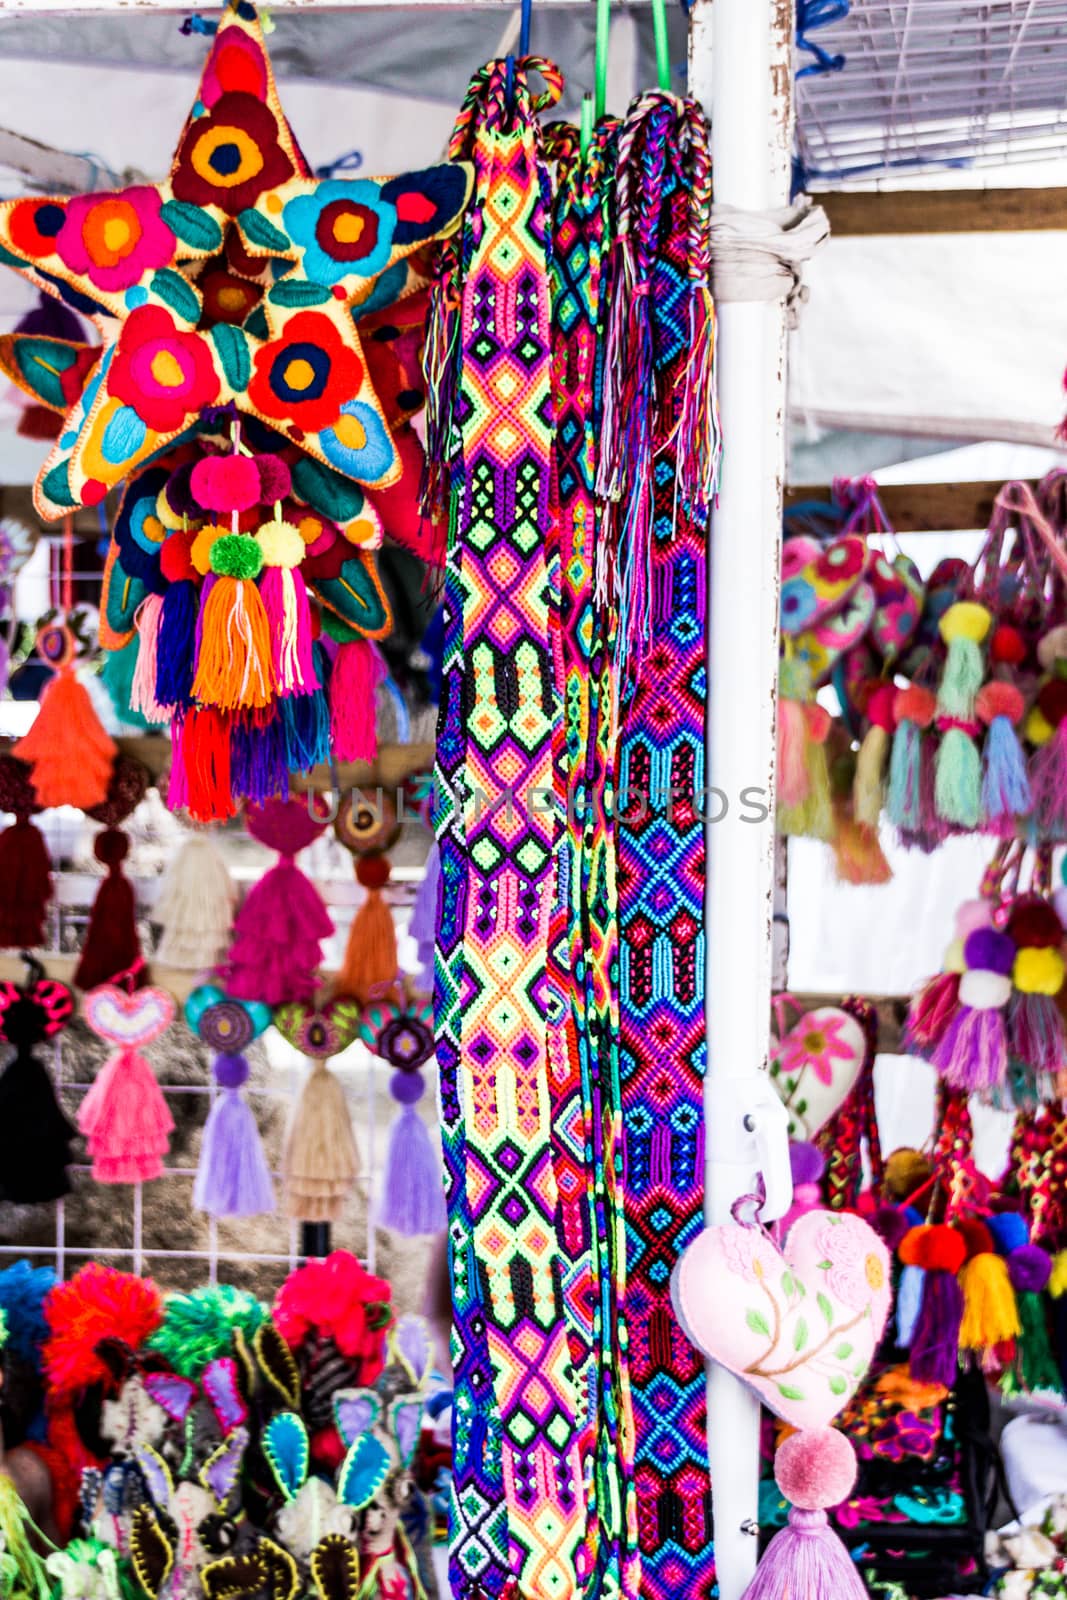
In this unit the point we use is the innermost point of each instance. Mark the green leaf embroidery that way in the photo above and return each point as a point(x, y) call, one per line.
point(825, 1307)
point(193, 226)
point(838, 1385)
point(173, 290)
point(824, 1266)
point(842, 1352)
point(298, 294)
point(789, 1393)
point(258, 231)
point(758, 1323)
point(232, 347)
point(788, 1285)
point(800, 1336)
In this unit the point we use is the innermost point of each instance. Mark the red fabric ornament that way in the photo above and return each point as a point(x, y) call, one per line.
point(25, 865)
point(112, 947)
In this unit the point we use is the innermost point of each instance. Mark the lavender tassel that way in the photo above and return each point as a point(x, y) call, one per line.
point(423, 925)
point(233, 1179)
point(413, 1199)
point(806, 1560)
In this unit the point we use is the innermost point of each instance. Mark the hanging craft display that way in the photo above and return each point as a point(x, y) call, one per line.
point(815, 1063)
point(800, 1328)
point(320, 1163)
point(112, 944)
point(276, 949)
point(124, 1116)
point(25, 865)
point(401, 1035)
point(35, 1136)
point(233, 1178)
point(67, 750)
point(195, 906)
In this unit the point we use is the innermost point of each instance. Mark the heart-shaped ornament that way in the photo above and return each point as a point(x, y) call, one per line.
point(128, 1020)
point(815, 1066)
point(899, 593)
point(319, 1031)
point(818, 579)
point(800, 1327)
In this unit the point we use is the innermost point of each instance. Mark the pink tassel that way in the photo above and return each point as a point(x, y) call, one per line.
point(277, 939)
point(973, 1052)
point(358, 669)
point(126, 1121)
point(931, 1011)
point(1048, 784)
point(814, 1468)
point(794, 778)
point(284, 595)
point(143, 688)
point(1037, 1036)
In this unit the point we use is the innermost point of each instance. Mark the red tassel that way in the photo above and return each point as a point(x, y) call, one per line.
point(111, 946)
point(67, 747)
point(26, 877)
point(200, 767)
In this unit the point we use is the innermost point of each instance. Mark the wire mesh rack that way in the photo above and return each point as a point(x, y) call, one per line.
point(910, 86)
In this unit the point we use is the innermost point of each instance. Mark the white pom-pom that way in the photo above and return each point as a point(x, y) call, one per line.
point(984, 991)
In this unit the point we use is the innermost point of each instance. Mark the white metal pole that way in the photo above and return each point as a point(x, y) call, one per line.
point(741, 70)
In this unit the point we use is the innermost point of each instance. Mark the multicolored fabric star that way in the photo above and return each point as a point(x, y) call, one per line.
point(240, 279)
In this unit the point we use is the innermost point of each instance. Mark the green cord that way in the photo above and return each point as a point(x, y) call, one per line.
point(586, 124)
point(603, 20)
point(663, 54)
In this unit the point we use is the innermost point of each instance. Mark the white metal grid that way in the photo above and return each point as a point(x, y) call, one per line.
point(935, 84)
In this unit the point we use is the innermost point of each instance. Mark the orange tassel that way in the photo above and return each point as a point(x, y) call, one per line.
point(233, 666)
point(67, 746)
point(371, 962)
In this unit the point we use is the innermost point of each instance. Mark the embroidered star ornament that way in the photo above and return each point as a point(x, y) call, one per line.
point(241, 279)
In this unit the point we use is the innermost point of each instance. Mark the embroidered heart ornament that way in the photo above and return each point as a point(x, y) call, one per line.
point(818, 579)
point(319, 1031)
point(128, 1020)
point(799, 1327)
point(815, 1066)
point(899, 593)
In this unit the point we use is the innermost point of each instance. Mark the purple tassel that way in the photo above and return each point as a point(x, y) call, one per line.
point(935, 1341)
point(258, 766)
point(806, 1561)
point(176, 644)
point(1048, 784)
point(413, 1198)
point(973, 1050)
point(423, 925)
point(1036, 1030)
point(233, 1179)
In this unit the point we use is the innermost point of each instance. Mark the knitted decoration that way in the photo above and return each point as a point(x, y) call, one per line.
point(35, 1136)
point(124, 1116)
point(321, 1162)
point(238, 177)
point(278, 932)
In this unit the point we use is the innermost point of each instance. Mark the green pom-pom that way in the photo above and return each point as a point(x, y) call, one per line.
point(236, 556)
point(198, 1327)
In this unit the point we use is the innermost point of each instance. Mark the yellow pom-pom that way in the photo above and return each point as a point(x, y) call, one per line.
point(200, 550)
point(1057, 1284)
point(953, 958)
point(1038, 971)
point(1036, 729)
point(166, 513)
point(281, 544)
point(965, 620)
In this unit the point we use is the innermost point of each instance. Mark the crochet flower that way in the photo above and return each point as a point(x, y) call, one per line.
point(307, 374)
point(344, 227)
point(817, 1047)
point(843, 559)
point(231, 155)
point(165, 374)
point(115, 238)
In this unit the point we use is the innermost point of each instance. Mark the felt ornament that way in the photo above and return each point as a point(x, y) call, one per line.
point(412, 1194)
point(25, 865)
point(815, 1064)
point(35, 1136)
point(963, 627)
point(124, 1116)
point(195, 906)
point(914, 709)
point(868, 790)
point(232, 1178)
point(69, 753)
point(333, 1314)
point(277, 935)
point(370, 964)
point(972, 1053)
point(312, 1511)
point(112, 945)
point(1005, 783)
point(800, 1329)
point(320, 1163)
point(939, 1252)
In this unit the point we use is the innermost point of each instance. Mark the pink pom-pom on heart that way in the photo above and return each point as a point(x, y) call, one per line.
point(999, 699)
point(915, 704)
point(226, 483)
point(815, 1469)
point(972, 915)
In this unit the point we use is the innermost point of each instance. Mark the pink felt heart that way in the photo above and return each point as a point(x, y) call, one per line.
point(799, 1327)
point(128, 1020)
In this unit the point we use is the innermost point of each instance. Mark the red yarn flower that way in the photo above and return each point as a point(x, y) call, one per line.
point(306, 375)
point(164, 373)
point(231, 155)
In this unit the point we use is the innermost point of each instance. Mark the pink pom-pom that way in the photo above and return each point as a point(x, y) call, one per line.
point(972, 915)
point(881, 707)
point(226, 483)
point(999, 699)
point(815, 1468)
point(915, 704)
point(275, 479)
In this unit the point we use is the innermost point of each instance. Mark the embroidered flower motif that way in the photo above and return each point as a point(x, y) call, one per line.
point(749, 1254)
point(856, 1274)
point(798, 604)
point(164, 373)
point(359, 444)
point(33, 226)
point(307, 374)
point(114, 239)
point(231, 155)
point(344, 227)
point(236, 63)
point(816, 1046)
point(226, 298)
point(841, 560)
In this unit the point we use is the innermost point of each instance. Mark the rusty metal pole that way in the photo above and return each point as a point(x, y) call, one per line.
point(741, 69)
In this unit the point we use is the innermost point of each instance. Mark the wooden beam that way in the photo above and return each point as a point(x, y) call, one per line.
point(921, 507)
point(895, 211)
